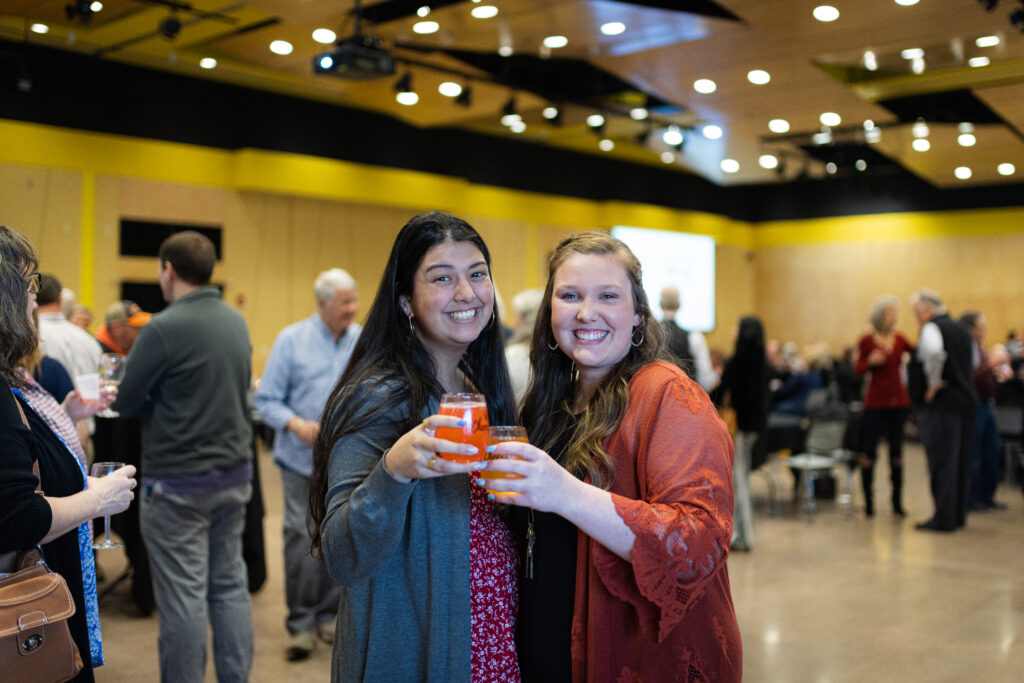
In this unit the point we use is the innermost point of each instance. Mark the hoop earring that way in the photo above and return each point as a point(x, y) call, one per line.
point(553, 348)
point(634, 342)
point(412, 328)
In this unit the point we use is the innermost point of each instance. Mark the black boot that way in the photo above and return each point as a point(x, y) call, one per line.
point(866, 477)
point(897, 490)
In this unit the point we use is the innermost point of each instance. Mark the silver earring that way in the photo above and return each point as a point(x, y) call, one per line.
point(637, 343)
point(553, 348)
point(412, 328)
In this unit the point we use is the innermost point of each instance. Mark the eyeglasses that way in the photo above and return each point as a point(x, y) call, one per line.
point(33, 283)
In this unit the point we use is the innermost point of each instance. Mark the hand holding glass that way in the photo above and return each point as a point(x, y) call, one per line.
point(497, 435)
point(472, 409)
point(111, 372)
point(102, 469)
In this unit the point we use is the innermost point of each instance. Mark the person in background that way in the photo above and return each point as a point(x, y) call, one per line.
point(427, 568)
point(307, 360)
point(517, 350)
point(690, 349)
point(880, 356)
point(60, 339)
point(745, 389)
point(81, 315)
point(67, 301)
point(942, 390)
point(58, 519)
point(187, 376)
point(987, 452)
point(121, 327)
point(626, 496)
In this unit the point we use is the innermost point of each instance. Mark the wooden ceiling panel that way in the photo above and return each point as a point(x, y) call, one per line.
point(1007, 101)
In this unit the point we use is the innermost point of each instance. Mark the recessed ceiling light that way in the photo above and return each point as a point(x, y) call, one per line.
point(860, 165)
point(872, 135)
point(595, 120)
point(208, 63)
point(638, 113)
point(906, 3)
point(518, 127)
point(825, 13)
point(822, 138)
point(917, 65)
point(423, 11)
point(778, 126)
point(870, 61)
point(555, 42)
point(613, 28)
point(325, 36)
point(511, 119)
point(921, 145)
point(868, 124)
point(450, 89)
point(425, 27)
point(978, 61)
point(962, 172)
point(831, 168)
point(712, 132)
point(730, 165)
point(672, 136)
point(966, 139)
point(912, 53)
point(987, 41)
point(758, 76)
point(830, 119)
point(704, 85)
point(919, 129)
point(408, 98)
point(550, 113)
point(40, 28)
point(606, 145)
point(965, 127)
point(1006, 169)
point(484, 11)
point(505, 50)
point(669, 157)
point(281, 47)
point(96, 6)
point(768, 161)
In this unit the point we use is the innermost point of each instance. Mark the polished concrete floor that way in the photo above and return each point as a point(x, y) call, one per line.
point(822, 598)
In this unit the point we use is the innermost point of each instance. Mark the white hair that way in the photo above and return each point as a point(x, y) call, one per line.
point(67, 301)
point(330, 281)
point(928, 297)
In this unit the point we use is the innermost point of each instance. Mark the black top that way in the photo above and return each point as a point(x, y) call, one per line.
point(959, 394)
point(25, 517)
point(544, 636)
point(678, 342)
point(747, 384)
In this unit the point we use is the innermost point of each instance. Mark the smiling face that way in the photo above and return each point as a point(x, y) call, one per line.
point(452, 298)
point(592, 313)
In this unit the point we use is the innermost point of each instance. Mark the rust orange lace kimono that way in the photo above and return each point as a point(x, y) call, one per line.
point(668, 616)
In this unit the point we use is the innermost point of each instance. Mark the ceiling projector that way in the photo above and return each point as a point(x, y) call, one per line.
point(359, 58)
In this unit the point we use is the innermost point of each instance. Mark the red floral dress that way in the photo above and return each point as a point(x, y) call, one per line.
point(494, 598)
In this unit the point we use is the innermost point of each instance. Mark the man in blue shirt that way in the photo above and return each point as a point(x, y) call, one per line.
point(306, 362)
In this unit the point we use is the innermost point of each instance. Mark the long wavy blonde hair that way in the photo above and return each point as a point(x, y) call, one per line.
point(548, 405)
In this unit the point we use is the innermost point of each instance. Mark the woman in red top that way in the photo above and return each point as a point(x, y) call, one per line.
point(886, 401)
point(628, 520)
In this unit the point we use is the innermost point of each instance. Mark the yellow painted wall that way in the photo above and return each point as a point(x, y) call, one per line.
point(287, 217)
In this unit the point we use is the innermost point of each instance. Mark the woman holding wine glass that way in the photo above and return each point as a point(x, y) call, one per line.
point(627, 494)
point(427, 569)
point(58, 519)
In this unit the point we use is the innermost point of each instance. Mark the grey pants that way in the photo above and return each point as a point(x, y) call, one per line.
point(310, 592)
point(743, 514)
point(948, 440)
point(195, 553)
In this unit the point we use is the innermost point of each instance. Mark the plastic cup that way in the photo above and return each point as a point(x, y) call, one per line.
point(88, 386)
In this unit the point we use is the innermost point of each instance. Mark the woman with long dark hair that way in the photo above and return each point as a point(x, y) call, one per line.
point(745, 388)
point(626, 501)
point(58, 519)
point(427, 569)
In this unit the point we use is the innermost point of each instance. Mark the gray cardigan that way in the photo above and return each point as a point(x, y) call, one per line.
point(188, 377)
point(401, 554)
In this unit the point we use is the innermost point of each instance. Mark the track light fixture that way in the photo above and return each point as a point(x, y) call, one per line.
point(465, 98)
point(170, 27)
point(404, 83)
point(79, 9)
point(509, 109)
point(1017, 19)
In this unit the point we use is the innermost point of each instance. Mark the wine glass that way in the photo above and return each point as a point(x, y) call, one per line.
point(102, 469)
point(111, 372)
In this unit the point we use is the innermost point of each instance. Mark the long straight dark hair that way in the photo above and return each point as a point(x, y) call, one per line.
point(18, 336)
point(388, 351)
point(548, 403)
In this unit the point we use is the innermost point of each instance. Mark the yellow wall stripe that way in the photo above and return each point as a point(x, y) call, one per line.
point(86, 285)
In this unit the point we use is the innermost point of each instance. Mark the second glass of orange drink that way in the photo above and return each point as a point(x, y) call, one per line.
point(472, 409)
point(497, 435)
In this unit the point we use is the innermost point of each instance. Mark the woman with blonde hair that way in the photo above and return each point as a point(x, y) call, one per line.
point(625, 500)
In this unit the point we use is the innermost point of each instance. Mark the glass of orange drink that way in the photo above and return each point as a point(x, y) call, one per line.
point(472, 409)
point(497, 435)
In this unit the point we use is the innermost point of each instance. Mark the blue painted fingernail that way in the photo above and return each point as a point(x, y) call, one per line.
point(490, 496)
point(479, 482)
point(490, 449)
point(462, 423)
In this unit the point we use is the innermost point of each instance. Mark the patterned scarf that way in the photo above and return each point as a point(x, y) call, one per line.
point(52, 414)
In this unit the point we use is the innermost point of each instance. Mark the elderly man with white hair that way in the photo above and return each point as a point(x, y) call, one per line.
point(942, 390)
point(305, 363)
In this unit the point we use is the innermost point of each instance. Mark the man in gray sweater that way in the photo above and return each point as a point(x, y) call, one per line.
point(187, 378)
